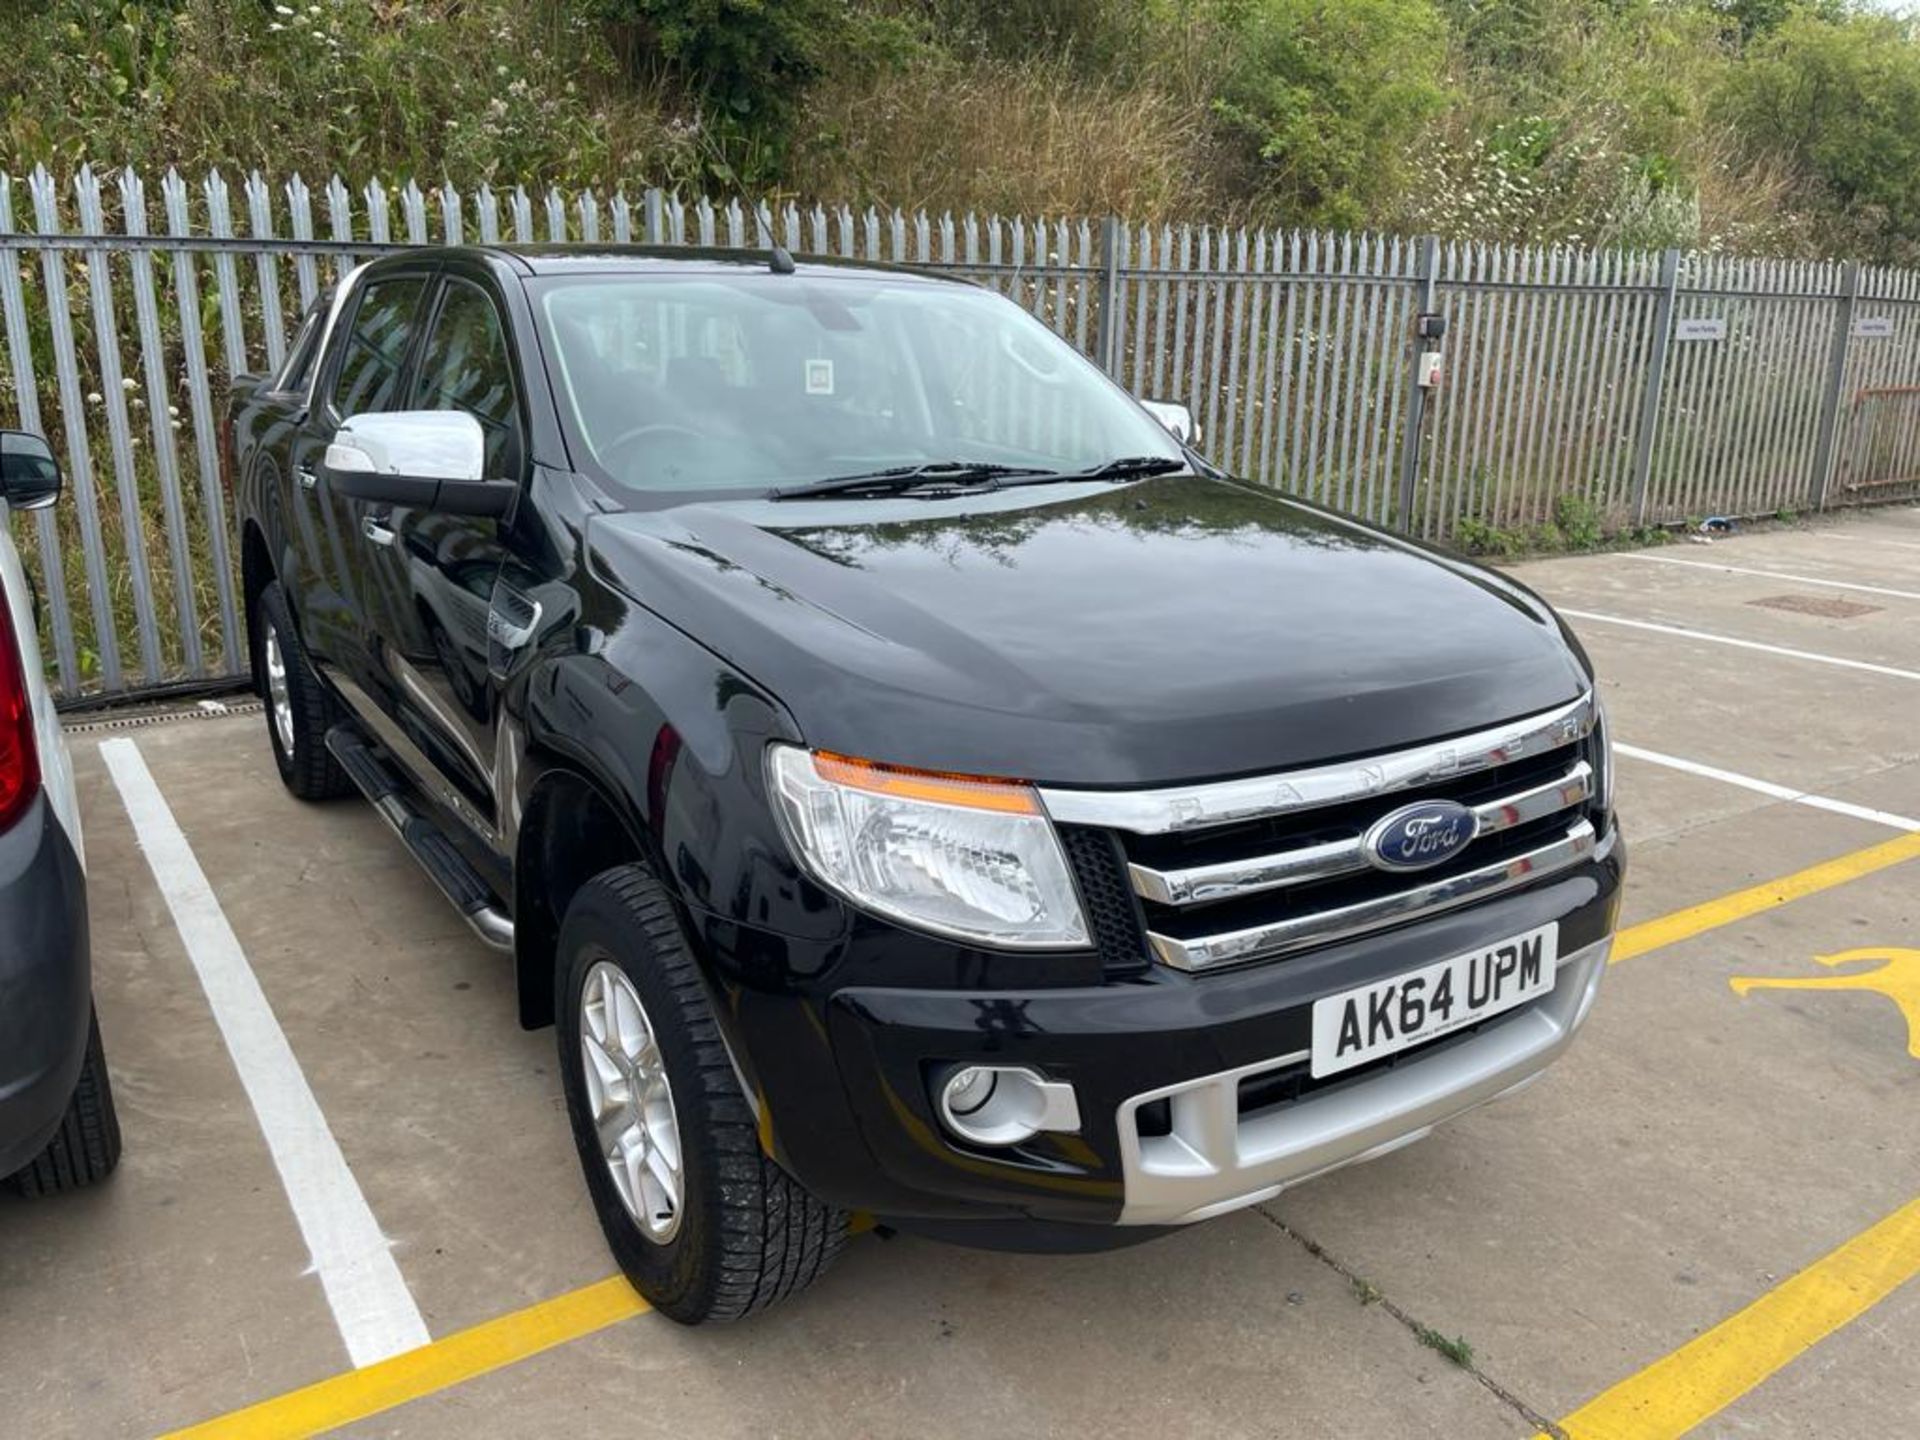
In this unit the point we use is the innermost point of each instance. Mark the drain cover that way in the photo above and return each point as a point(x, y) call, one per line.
point(1818, 605)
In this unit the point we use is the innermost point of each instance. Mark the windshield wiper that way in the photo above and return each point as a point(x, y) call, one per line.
point(898, 479)
point(1126, 467)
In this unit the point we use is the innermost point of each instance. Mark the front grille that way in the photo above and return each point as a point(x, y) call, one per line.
point(1249, 869)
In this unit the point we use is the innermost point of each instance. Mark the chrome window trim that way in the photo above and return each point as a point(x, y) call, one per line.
point(348, 283)
point(1180, 808)
point(1208, 952)
point(1199, 884)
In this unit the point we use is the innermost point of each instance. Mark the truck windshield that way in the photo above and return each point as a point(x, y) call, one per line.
point(764, 382)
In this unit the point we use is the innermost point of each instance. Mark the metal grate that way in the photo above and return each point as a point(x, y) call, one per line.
point(1113, 913)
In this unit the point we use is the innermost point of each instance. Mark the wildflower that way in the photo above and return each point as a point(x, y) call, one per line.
point(94, 397)
point(129, 383)
point(283, 10)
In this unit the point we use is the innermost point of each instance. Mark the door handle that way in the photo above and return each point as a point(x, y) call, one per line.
point(378, 533)
point(307, 478)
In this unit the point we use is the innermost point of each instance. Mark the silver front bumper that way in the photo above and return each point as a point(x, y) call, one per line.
point(1216, 1159)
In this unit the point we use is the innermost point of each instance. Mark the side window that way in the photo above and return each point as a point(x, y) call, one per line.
point(376, 346)
point(297, 368)
point(465, 367)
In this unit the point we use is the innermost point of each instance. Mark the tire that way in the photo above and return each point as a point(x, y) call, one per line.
point(744, 1233)
point(298, 721)
point(86, 1147)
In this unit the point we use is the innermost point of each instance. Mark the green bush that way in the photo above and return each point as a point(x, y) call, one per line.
point(1332, 97)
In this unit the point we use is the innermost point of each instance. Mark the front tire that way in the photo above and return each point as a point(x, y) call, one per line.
point(705, 1226)
point(86, 1147)
point(299, 711)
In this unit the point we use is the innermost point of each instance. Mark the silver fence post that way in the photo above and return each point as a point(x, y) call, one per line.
point(1829, 432)
point(1106, 341)
point(1427, 280)
point(1656, 380)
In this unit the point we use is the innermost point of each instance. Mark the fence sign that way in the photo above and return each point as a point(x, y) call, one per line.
point(1873, 327)
point(1700, 328)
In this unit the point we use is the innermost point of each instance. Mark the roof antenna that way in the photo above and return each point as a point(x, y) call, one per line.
point(779, 262)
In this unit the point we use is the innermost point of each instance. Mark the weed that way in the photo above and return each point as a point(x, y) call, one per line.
point(1476, 537)
point(1455, 1349)
point(1365, 1291)
point(1579, 522)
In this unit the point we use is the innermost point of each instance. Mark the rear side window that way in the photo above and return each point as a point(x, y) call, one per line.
point(369, 379)
point(465, 367)
point(297, 369)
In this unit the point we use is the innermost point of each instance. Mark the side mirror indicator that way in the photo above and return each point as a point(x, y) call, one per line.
point(30, 477)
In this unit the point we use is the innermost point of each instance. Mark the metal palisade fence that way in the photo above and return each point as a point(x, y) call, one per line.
point(1590, 390)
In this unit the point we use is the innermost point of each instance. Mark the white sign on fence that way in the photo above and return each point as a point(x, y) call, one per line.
point(1699, 328)
point(1873, 327)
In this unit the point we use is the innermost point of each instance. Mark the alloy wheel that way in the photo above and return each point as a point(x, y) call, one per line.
point(631, 1102)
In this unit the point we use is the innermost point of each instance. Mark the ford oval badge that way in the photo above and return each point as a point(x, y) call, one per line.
point(1415, 837)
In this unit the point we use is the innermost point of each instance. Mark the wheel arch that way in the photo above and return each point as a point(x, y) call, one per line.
point(571, 829)
point(256, 573)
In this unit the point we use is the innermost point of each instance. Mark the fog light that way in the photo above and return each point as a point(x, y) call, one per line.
point(1003, 1105)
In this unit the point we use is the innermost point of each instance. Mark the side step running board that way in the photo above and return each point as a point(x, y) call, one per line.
point(437, 855)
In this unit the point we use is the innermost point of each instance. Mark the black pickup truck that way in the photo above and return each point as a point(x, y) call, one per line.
point(910, 778)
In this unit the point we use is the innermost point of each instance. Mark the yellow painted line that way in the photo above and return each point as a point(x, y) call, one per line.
point(1710, 1372)
point(409, 1376)
point(1756, 899)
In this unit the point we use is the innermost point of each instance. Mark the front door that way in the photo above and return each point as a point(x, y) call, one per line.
point(438, 573)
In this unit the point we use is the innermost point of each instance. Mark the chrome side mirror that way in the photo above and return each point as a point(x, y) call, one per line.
point(1177, 419)
point(29, 475)
point(424, 459)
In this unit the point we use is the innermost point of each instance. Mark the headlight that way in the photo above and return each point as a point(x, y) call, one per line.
point(1602, 759)
point(974, 859)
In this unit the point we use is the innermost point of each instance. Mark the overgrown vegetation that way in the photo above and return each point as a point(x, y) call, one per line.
point(1783, 126)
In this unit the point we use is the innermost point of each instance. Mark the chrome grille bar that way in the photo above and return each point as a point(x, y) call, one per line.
point(1198, 884)
point(1196, 807)
point(1206, 952)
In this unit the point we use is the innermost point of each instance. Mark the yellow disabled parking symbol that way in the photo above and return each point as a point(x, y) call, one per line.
point(1898, 979)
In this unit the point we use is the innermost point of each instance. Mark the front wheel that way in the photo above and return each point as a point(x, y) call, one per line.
point(705, 1225)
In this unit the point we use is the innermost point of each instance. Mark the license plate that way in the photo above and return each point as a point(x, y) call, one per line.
point(1352, 1028)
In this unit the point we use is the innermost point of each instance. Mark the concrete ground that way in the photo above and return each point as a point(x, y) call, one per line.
point(1698, 1152)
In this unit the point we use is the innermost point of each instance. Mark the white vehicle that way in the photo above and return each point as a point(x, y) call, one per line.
point(57, 1125)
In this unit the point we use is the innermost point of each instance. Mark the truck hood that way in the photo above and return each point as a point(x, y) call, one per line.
point(1093, 634)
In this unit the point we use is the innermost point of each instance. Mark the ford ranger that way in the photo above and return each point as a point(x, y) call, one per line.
point(910, 779)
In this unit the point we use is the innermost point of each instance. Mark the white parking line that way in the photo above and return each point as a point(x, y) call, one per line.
point(1688, 634)
point(1767, 787)
point(371, 1304)
point(1776, 575)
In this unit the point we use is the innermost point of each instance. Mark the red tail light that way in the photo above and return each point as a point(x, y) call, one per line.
point(19, 756)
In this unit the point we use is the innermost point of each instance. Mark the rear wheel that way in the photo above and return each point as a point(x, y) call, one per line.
point(299, 711)
point(86, 1147)
point(704, 1224)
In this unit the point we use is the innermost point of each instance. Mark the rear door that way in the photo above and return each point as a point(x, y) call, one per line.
point(439, 572)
